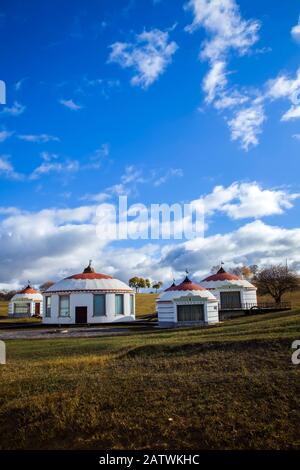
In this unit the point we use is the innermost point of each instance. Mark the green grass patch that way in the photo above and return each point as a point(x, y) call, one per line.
point(229, 386)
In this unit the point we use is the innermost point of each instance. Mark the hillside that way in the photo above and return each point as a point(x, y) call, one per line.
point(228, 386)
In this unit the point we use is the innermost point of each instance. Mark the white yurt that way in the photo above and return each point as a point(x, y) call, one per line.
point(187, 303)
point(231, 291)
point(88, 297)
point(26, 303)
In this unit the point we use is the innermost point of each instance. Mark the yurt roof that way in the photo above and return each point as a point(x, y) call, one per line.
point(28, 293)
point(89, 280)
point(223, 278)
point(185, 288)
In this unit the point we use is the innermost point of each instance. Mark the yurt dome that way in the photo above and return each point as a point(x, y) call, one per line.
point(231, 291)
point(89, 297)
point(187, 302)
point(26, 303)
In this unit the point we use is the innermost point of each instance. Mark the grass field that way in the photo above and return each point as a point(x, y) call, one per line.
point(230, 386)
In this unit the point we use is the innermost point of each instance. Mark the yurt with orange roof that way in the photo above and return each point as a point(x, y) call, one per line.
point(232, 292)
point(187, 303)
point(26, 303)
point(88, 298)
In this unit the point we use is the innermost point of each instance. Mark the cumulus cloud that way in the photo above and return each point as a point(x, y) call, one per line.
point(148, 56)
point(253, 243)
point(295, 31)
point(53, 243)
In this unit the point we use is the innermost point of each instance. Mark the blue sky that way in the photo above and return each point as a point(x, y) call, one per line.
point(163, 101)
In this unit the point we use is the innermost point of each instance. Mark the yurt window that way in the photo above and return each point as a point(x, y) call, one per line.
point(64, 306)
point(119, 304)
point(131, 304)
point(48, 306)
point(21, 308)
point(99, 305)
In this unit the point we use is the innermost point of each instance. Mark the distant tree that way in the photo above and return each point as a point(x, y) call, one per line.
point(46, 285)
point(246, 272)
point(138, 283)
point(157, 285)
point(275, 280)
point(7, 294)
point(134, 282)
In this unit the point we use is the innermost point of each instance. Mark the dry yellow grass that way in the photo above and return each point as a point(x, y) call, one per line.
point(231, 386)
point(3, 308)
point(145, 304)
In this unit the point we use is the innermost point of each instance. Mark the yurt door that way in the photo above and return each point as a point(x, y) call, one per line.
point(81, 314)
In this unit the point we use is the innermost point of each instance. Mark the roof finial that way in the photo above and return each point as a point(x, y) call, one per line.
point(221, 270)
point(89, 268)
point(187, 277)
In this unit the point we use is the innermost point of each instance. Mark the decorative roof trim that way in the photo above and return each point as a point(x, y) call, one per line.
point(86, 291)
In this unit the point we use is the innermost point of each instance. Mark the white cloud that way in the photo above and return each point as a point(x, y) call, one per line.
point(285, 87)
point(215, 81)
point(7, 169)
point(248, 200)
point(70, 104)
point(295, 31)
point(148, 56)
point(246, 125)
point(15, 110)
point(253, 243)
point(19, 83)
point(223, 21)
point(228, 32)
point(292, 113)
point(54, 243)
point(230, 99)
point(4, 134)
point(177, 172)
point(39, 138)
point(55, 167)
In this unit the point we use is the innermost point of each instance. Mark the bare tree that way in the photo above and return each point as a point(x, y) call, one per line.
point(46, 285)
point(275, 280)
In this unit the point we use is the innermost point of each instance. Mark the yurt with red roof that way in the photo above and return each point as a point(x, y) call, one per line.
point(187, 303)
point(232, 292)
point(87, 298)
point(26, 303)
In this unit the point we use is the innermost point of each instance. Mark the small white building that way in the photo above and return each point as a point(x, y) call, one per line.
point(187, 303)
point(231, 291)
point(88, 297)
point(26, 303)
